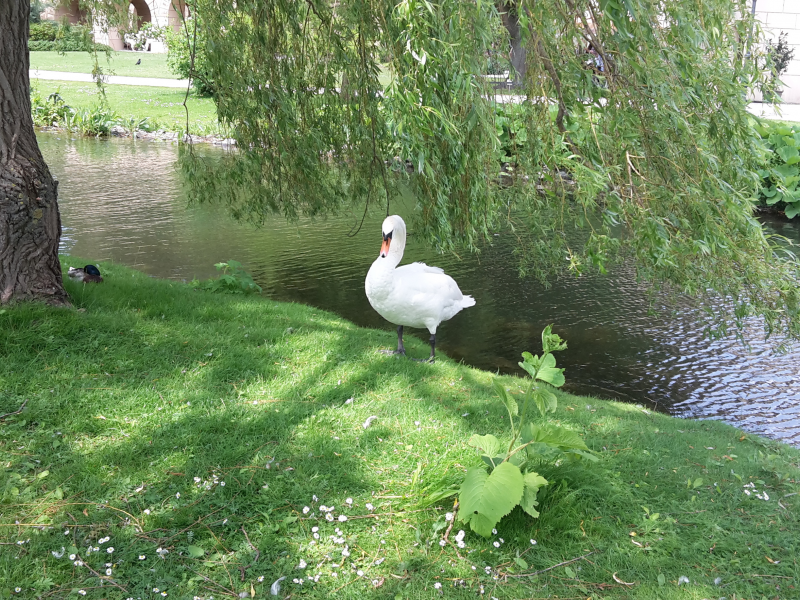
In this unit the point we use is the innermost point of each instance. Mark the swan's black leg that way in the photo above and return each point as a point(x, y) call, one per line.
point(433, 348)
point(401, 349)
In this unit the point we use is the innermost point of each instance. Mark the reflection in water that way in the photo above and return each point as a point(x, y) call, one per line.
point(122, 201)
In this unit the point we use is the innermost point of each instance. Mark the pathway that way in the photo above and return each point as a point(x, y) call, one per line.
point(111, 79)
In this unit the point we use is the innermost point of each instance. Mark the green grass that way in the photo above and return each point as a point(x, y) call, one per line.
point(116, 63)
point(142, 399)
point(162, 105)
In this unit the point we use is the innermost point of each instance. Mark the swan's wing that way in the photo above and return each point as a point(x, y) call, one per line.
point(420, 267)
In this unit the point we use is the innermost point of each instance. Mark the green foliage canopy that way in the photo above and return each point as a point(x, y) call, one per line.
point(653, 158)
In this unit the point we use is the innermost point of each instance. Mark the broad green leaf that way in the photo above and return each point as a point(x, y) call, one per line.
point(787, 152)
point(661, 579)
point(487, 444)
point(784, 171)
point(553, 435)
point(506, 398)
point(521, 563)
point(532, 481)
point(195, 551)
point(549, 373)
point(569, 572)
point(545, 400)
point(486, 498)
point(552, 342)
point(792, 210)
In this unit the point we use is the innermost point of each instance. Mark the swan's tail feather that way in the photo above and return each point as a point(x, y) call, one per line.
point(467, 301)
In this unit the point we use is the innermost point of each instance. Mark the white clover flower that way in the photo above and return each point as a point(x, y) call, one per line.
point(147, 511)
point(72, 557)
point(496, 544)
point(369, 506)
point(306, 510)
point(345, 552)
point(110, 549)
point(349, 501)
point(108, 572)
point(302, 564)
point(142, 557)
point(342, 518)
point(448, 517)
point(437, 585)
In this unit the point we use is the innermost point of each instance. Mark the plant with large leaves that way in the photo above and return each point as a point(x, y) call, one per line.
point(508, 478)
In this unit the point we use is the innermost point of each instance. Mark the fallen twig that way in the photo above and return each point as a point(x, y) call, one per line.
point(255, 560)
point(16, 412)
point(101, 577)
point(561, 564)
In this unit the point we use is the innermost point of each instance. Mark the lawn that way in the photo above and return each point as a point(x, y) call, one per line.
point(186, 444)
point(162, 105)
point(115, 63)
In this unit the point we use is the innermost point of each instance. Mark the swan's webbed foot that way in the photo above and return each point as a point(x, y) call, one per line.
point(401, 349)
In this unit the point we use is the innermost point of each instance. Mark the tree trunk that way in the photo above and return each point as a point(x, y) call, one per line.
point(30, 225)
point(518, 55)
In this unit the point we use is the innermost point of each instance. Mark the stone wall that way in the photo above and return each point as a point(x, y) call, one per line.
point(777, 16)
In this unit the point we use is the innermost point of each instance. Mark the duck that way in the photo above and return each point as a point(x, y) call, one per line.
point(414, 295)
point(87, 274)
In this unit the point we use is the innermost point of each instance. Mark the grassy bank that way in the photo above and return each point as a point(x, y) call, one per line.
point(180, 434)
point(163, 106)
point(115, 63)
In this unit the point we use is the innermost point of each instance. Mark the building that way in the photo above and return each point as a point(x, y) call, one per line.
point(778, 16)
point(161, 13)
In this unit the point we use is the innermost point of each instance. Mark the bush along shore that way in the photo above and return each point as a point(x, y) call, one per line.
point(159, 440)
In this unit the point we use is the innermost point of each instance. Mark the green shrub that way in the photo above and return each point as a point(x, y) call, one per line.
point(234, 280)
point(780, 174)
point(45, 31)
point(179, 58)
point(49, 111)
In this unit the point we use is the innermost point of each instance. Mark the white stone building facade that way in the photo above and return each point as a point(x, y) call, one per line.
point(778, 16)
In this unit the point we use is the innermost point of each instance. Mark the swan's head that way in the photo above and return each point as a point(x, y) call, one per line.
point(394, 228)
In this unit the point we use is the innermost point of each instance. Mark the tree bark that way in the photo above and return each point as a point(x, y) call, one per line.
point(518, 54)
point(30, 224)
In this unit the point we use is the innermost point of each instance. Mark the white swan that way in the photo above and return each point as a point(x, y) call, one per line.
point(414, 295)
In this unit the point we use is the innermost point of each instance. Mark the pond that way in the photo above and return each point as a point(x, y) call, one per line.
point(122, 201)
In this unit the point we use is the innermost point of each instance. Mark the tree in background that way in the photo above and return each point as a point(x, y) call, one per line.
point(30, 225)
point(651, 158)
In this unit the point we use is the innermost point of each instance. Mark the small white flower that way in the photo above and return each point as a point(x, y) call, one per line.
point(82, 592)
point(442, 543)
point(306, 510)
point(369, 506)
point(18, 589)
point(163, 593)
point(156, 590)
point(496, 544)
point(502, 541)
point(316, 536)
point(461, 544)
point(108, 572)
point(683, 579)
point(222, 483)
point(494, 531)
point(437, 585)
point(66, 532)
point(260, 578)
point(323, 508)
point(533, 542)
point(142, 557)
point(147, 511)
point(315, 529)
point(103, 540)
point(314, 498)
point(345, 552)
point(328, 517)
point(110, 549)
point(302, 564)
point(72, 557)
point(178, 495)
point(460, 535)
point(349, 501)
point(448, 517)
point(342, 518)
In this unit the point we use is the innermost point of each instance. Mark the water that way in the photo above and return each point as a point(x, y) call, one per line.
point(122, 201)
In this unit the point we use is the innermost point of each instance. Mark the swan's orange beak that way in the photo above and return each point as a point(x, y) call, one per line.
point(387, 240)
